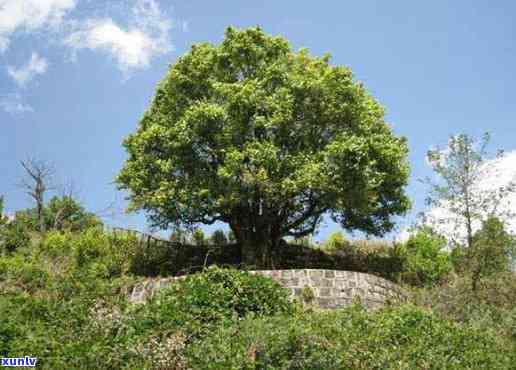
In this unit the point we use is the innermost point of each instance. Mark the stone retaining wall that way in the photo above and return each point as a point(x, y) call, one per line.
point(322, 288)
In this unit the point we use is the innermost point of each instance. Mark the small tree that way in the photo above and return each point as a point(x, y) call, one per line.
point(460, 195)
point(493, 251)
point(336, 241)
point(426, 261)
point(61, 213)
point(198, 237)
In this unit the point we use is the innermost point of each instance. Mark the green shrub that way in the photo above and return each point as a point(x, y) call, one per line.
point(205, 299)
point(103, 253)
point(17, 272)
point(492, 251)
point(336, 241)
point(426, 263)
point(13, 236)
point(399, 338)
point(374, 257)
point(198, 237)
point(490, 307)
point(60, 213)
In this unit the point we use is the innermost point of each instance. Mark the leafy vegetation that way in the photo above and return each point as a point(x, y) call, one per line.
point(400, 338)
point(64, 295)
point(60, 213)
point(426, 262)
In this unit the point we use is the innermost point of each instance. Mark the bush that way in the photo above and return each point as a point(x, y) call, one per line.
point(13, 236)
point(490, 307)
point(105, 253)
point(399, 338)
point(426, 263)
point(204, 299)
point(61, 213)
point(64, 302)
point(198, 237)
point(336, 242)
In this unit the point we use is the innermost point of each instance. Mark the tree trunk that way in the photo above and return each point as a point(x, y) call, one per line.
point(254, 253)
point(257, 248)
point(41, 218)
point(258, 242)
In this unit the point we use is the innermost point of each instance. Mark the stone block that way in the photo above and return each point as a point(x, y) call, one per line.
point(300, 273)
point(340, 283)
point(292, 282)
point(347, 292)
point(326, 302)
point(287, 274)
point(327, 283)
point(316, 273)
point(315, 280)
point(329, 273)
point(325, 292)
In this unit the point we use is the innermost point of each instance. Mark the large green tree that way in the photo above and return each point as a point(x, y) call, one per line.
point(267, 140)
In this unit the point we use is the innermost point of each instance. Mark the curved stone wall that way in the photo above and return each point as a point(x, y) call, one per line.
point(322, 288)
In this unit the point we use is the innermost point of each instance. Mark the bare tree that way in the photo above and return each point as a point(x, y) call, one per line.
point(38, 181)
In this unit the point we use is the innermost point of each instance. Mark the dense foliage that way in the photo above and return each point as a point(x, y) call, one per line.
point(60, 213)
point(13, 235)
point(202, 300)
point(399, 338)
point(426, 262)
point(493, 250)
point(63, 300)
point(491, 306)
point(267, 140)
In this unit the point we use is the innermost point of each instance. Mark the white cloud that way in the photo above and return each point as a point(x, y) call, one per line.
point(498, 173)
point(30, 15)
point(13, 104)
point(23, 75)
point(132, 47)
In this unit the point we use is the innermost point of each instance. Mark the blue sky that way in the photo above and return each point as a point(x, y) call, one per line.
point(76, 75)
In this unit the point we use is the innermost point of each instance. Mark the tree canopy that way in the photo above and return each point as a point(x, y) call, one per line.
point(61, 213)
point(267, 140)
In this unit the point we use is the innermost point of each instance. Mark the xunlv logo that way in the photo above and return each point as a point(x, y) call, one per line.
point(19, 361)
